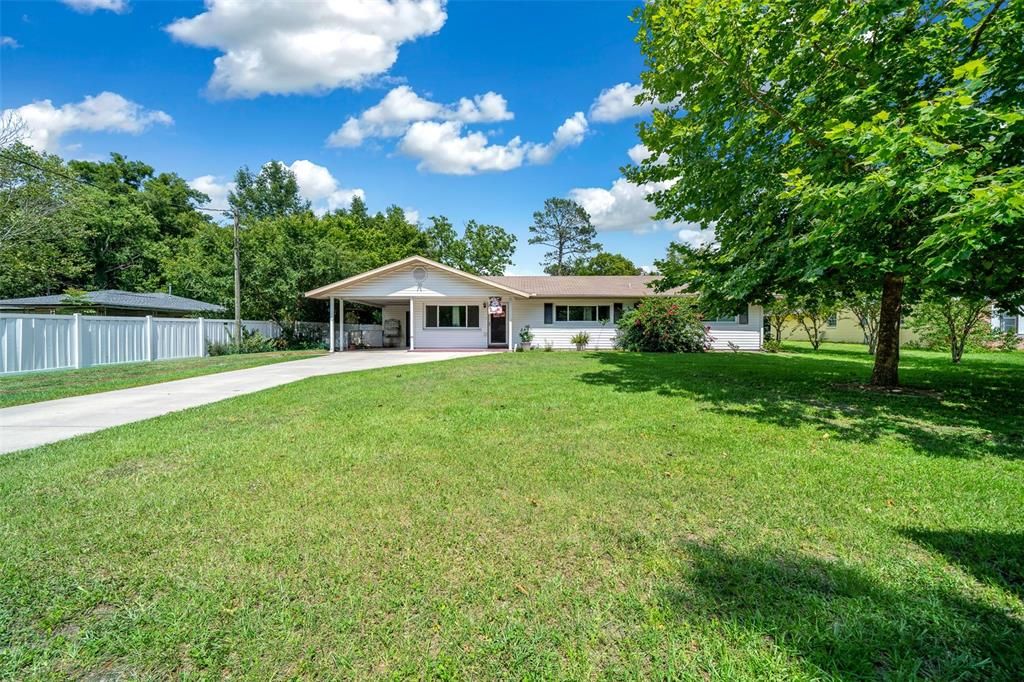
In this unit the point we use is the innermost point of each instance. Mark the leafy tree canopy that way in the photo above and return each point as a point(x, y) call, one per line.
point(854, 147)
point(482, 249)
point(271, 192)
point(604, 263)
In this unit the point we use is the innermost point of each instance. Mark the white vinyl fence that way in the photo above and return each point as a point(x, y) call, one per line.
point(32, 343)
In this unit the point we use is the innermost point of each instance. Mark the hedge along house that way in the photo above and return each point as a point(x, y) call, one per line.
point(426, 305)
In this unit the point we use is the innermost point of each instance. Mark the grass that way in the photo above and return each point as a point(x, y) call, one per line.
point(537, 516)
point(34, 387)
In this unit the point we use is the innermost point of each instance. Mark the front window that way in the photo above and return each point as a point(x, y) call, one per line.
point(452, 316)
point(582, 313)
point(833, 320)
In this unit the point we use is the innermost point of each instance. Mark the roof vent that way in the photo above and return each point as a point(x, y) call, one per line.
point(419, 273)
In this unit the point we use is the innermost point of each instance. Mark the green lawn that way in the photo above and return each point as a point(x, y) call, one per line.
point(537, 516)
point(35, 387)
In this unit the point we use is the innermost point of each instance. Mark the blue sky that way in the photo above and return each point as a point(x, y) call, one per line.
point(289, 76)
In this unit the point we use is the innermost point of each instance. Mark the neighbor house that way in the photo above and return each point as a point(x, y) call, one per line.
point(113, 302)
point(428, 305)
point(844, 327)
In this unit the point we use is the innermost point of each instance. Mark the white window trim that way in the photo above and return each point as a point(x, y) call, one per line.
point(595, 322)
point(438, 327)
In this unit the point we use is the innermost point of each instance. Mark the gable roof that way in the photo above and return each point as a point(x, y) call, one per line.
point(326, 291)
point(583, 286)
point(115, 298)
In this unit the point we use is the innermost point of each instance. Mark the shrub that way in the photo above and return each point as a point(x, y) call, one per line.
point(1007, 340)
point(951, 323)
point(252, 342)
point(772, 346)
point(580, 340)
point(663, 325)
point(549, 346)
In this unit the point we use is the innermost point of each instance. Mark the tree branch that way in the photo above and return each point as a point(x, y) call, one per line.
point(976, 41)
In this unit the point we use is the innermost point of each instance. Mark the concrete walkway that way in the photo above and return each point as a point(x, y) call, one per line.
point(27, 426)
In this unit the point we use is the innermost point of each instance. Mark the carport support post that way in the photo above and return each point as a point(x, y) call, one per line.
point(508, 323)
point(412, 325)
point(330, 324)
point(341, 323)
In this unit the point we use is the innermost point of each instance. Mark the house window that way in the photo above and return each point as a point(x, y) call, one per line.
point(833, 320)
point(581, 313)
point(616, 312)
point(452, 316)
point(742, 318)
point(1007, 322)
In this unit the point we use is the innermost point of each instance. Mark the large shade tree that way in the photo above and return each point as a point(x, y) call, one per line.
point(871, 147)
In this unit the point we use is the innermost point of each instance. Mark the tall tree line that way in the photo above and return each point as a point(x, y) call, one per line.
point(118, 224)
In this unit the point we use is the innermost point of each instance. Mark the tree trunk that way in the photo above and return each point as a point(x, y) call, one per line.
point(887, 342)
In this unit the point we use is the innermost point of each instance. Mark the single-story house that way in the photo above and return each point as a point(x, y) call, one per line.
point(428, 305)
point(114, 302)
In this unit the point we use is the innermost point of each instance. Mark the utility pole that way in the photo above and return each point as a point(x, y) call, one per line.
point(238, 288)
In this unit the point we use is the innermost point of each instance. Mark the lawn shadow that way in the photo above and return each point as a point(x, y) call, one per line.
point(843, 622)
point(991, 557)
point(942, 411)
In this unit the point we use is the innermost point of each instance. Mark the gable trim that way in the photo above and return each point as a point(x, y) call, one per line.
point(326, 291)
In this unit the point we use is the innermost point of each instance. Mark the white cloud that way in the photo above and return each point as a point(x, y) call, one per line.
point(639, 153)
point(618, 102)
point(693, 235)
point(392, 116)
point(442, 148)
point(569, 134)
point(316, 183)
point(90, 6)
point(8, 41)
point(105, 112)
point(624, 205)
point(412, 215)
point(214, 187)
point(283, 46)
point(323, 190)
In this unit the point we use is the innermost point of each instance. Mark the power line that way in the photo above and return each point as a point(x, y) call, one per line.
point(83, 181)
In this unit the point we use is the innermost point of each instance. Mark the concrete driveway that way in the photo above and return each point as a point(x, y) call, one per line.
point(27, 426)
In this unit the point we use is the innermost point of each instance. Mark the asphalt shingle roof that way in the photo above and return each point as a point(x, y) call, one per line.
point(114, 298)
point(590, 286)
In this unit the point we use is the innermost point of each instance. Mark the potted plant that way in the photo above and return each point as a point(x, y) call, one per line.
point(525, 337)
point(580, 340)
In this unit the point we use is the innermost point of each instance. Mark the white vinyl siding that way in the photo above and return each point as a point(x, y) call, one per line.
point(602, 336)
point(451, 337)
point(401, 284)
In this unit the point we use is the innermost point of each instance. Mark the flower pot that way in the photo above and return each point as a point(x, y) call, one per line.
point(581, 346)
point(525, 344)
